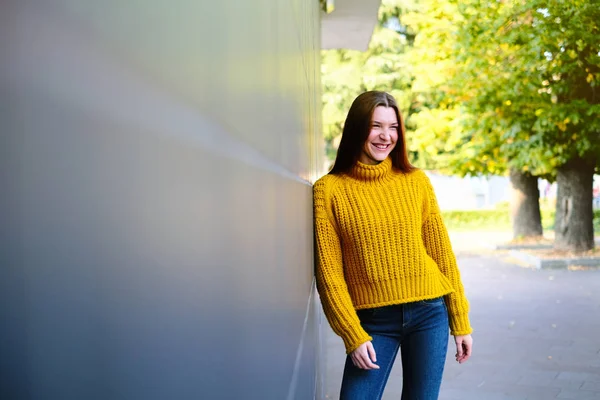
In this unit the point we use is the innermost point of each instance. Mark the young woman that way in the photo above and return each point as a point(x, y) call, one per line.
point(386, 273)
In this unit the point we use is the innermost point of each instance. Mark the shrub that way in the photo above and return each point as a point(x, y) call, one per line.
point(477, 219)
point(498, 219)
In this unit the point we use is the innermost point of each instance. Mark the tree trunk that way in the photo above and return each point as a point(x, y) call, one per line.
point(525, 205)
point(574, 226)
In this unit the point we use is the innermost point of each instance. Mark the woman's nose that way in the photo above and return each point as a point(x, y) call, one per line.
point(385, 133)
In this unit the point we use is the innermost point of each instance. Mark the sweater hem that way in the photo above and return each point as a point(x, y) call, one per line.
point(399, 291)
point(401, 301)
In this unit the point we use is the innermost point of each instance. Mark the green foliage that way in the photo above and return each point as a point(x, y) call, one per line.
point(497, 219)
point(477, 220)
point(522, 78)
point(384, 66)
point(484, 85)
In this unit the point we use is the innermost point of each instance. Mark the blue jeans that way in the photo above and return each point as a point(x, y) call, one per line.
point(421, 330)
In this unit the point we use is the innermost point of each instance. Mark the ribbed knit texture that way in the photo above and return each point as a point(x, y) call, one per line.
point(381, 241)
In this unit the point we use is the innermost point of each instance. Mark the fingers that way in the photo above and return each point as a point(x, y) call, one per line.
point(364, 356)
point(467, 346)
point(464, 346)
point(362, 361)
point(459, 349)
point(371, 352)
point(461, 355)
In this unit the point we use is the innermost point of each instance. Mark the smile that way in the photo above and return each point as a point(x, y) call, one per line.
point(381, 146)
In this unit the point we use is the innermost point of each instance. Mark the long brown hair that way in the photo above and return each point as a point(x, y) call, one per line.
point(357, 128)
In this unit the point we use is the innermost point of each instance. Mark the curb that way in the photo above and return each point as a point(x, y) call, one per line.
point(522, 246)
point(555, 263)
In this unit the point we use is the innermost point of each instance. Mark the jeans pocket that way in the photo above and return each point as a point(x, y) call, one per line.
point(438, 301)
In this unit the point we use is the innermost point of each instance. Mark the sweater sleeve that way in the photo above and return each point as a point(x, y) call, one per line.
point(331, 283)
point(438, 246)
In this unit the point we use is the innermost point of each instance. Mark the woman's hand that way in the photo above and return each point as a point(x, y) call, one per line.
point(464, 345)
point(364, 356)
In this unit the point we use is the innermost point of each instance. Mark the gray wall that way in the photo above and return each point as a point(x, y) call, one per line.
point(155, 204)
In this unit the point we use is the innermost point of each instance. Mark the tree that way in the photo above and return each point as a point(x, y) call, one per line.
point(568, 59)
point(491, 87)
point(524, 83)
point(550, 102)
point(459, 112)
point(384, 66)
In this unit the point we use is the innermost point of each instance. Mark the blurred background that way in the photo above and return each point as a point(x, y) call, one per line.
point(501, 106)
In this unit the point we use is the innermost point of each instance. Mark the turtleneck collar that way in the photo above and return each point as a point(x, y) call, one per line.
point(377, 172)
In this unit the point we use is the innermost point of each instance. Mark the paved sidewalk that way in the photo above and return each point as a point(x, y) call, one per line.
point(537, 335)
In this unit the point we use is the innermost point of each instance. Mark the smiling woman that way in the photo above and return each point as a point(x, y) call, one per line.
point(386, 274)
point(383, 136)
point(373, 122)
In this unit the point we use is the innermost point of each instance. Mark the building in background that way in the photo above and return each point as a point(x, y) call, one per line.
point(485, 192)
point(470, 192)
point(156, 161)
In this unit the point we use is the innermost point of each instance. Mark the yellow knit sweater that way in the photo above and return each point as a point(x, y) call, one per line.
point(381, 241)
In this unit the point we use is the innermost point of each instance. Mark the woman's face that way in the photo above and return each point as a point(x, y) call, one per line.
point(383, 135)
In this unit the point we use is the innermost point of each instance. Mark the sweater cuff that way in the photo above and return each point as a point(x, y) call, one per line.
point(459, 324)
point(352, 340)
